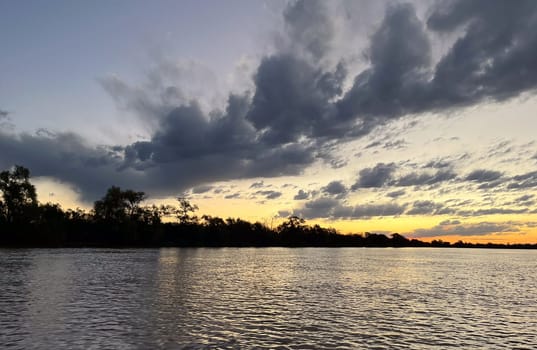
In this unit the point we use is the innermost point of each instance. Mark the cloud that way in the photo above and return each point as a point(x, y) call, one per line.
point(308, 26)
point(419, 179)
point(301, 195)
point(318, 208)
point(377, 176)
point(425, 207)
point(483, 175)
point(455, 228)
point(492, 211)
point(438, 164)
point(526, 180)
point(396, 194)
point(70, 159)
point(387, 209)
point(331, 208)
point(489, 185)
point(258, 184)
point(202, 189)
point(298, 101)
point(3, 114)
point(495, 58)
point(449, 222)
point(269, 194)
point(336, 188)
point(389, 88)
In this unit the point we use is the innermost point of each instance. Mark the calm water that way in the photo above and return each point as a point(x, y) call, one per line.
point(268, 298)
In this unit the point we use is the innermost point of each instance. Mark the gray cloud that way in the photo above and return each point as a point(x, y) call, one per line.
point(331, 208)
point(457, 229)
point(492, 211)
point(449, 222)
point(388, 209)
point(495, 58)
point(396, 194)
point(233, 195)
point(438, 164)
point(419, 179)
point(258, 184)
point(526, 180)
point(298, 105)
point(202, 189)
point(482, 175)
point(309, 26)
point(301, 195)
point(426, 207)
point(67, 157)
point(335, 188)
point(269, 194)
point(318, 208)
point(489, 185)
point(377, 176)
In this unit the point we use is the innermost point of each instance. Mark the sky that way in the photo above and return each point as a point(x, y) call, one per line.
point(366, 116)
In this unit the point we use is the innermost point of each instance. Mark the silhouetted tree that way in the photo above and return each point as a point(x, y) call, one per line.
point(132, 202)
point(18, 194)
point(185, 211)
point(292, 224)
point(118, 205)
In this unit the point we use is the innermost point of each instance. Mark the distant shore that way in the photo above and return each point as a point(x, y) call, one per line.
point(120, 220)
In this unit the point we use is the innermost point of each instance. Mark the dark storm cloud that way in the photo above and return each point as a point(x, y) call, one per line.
point(68, 158)
point(377, 176)
point(3, 114)
point(399, 54)
point(495, 58)
point(292, 100)
point(298, 105)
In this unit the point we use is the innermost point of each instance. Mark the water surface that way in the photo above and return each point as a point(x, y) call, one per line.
point(268, 298)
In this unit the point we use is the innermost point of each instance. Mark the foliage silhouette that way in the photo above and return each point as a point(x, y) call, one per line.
point(120, 219)
point(19, 199)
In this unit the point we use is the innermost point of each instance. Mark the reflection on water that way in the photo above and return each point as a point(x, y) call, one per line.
point(268, 298)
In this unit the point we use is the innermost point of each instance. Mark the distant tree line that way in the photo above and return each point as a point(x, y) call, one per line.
point(119, 219)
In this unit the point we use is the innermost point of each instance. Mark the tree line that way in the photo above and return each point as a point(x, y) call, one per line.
point(119, 219)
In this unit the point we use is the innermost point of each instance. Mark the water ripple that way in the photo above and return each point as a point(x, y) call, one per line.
point(268, 298)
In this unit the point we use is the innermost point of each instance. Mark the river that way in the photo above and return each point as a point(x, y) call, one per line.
point(276, 298)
